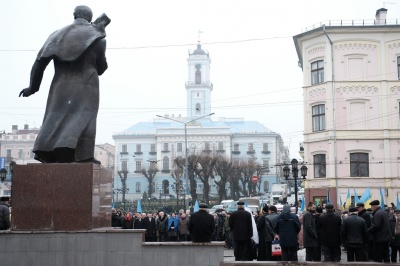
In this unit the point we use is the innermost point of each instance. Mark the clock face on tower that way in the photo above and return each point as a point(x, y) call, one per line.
point(198, 66)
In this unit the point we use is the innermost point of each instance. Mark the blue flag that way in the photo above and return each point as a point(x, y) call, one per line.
point(139, 207)
point(196, 206)
point(382, 199)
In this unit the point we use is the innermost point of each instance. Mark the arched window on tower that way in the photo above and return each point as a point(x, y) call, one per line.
point(198, 109)
point(198, 76)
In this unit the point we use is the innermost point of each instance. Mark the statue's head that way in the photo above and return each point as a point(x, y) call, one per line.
point(83, 12)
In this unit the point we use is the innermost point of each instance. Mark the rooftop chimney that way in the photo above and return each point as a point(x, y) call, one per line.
point(380, 16)
point(14, 129)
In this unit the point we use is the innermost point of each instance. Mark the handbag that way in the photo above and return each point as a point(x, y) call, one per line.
point(172, 233)
point(276, 248)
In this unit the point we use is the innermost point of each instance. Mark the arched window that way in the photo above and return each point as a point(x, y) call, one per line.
point(165, 186)
point(198, 76)
point(198, 108)
point(166, 163)
point(266, 186)
point(138, 187)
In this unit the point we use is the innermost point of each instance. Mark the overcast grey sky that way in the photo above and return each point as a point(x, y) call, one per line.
point(253, 59)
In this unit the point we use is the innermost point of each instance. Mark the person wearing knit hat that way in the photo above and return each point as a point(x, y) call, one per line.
point(288, 227)
point(266, 235)
point(353, 233)
point(380, 230)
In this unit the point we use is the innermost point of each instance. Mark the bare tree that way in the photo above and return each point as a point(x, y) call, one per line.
point(150, 173)
point(224, 169)
point(202, 166)
point(180, 163)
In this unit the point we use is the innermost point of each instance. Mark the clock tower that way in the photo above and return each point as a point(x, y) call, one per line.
point(198, 86)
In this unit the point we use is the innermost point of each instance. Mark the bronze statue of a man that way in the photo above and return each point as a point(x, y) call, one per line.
point(69, 125)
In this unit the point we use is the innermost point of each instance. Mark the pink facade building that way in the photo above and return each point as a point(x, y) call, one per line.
point(351, 91)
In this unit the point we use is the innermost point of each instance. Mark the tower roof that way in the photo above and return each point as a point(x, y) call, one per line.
point(199, 51)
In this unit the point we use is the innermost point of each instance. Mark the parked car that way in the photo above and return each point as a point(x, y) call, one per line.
point(216, 208)
point(226, 203)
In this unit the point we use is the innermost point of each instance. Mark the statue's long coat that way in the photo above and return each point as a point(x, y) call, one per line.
point(78, 53)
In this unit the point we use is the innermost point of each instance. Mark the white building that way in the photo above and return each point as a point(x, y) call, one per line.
point(351, 91)
point(163, 139)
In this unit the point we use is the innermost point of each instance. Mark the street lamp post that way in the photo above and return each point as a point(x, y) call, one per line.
point(295, 171)
point(186, 150)
point(3, 174)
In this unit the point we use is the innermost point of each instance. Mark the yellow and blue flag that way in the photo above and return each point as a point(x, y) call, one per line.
point(348, 199)
point(366, 197)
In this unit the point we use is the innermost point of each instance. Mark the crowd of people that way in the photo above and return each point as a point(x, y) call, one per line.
point(323, 233)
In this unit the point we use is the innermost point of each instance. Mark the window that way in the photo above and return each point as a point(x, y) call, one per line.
point(265, 146)
point(250, 147)
point(165, 146)
point(359, 164)
point(265, 164)
point(198, 76)
point(138, 148)
point(138, 187)
point(236, 147)
point(207, 146)
point(124, 165)
point(138, 166)
point(124, 148)
point(153, 148)
point(166, 163)
point(398, 67)
point(317, 72)
point(8, 153)
point(266, 186)
point(220, 146)
point(179, 147)
point(20, 153)
point(319, 166)
point(198, 108)
point(318, 117)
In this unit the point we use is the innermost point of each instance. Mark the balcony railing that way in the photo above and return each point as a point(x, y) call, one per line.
point(266, 152)
point(346, 23)
point(235, 152)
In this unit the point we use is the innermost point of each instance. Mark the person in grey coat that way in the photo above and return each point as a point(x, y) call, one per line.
point(310, 233)
point(353, 233)
point(380, 231)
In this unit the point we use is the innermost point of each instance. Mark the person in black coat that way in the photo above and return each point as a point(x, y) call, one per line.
point(380, 231)
point(266, 236)
point(116, 220)
point(369, 247)
point(354, 236)
point(288, 226)
point(4, 213)
point(201, 225)
point(151, 229)
point(310, 233)
point(241, 226)
point(329, 228)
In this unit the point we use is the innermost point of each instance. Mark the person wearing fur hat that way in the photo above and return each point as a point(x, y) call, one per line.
point(380, 231)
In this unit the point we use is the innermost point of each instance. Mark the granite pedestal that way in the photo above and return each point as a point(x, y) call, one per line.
point(60, 197)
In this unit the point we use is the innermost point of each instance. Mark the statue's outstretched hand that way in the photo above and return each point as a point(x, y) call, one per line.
point(25, 92)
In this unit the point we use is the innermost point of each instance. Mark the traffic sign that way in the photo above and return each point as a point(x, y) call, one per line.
point(254, 179)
